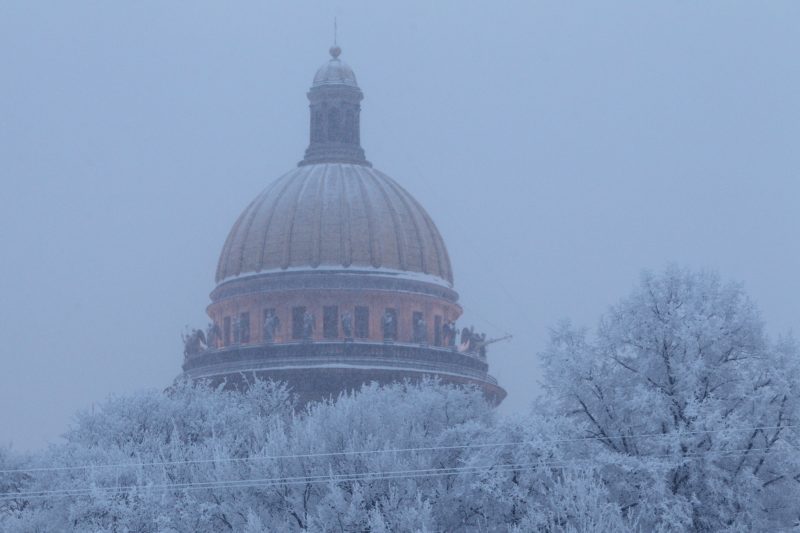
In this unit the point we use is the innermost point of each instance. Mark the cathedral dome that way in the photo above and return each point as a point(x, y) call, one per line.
point(333, 216)
point(335, 276)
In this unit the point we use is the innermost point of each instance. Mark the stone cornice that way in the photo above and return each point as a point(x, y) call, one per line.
point(359, 280)
point(344, 350)
point(406, 359)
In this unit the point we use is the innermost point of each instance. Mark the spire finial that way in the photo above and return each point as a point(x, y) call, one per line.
point(335, 50)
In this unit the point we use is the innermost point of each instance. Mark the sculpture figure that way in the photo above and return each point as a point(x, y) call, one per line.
point(420, 330)
point(213, 335)
point(193, 342)
point(449, 333)
point(464, 344)
point(271, 323)
point(308, 326)
point(388, 326)
point(347, 325)
point(482, 343)
point(478, 343)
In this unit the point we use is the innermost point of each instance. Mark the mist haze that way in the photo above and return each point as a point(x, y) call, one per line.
point(560, 149)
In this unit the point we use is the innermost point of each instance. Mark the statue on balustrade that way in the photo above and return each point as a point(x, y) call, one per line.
point(308, 326)
point(466, 339)
point(213, 336)
point(449, 334)
point(271, 324)
point(347, 325)
point(420, 330)
point(389, 326)
point(479, 344)
point(193, 342)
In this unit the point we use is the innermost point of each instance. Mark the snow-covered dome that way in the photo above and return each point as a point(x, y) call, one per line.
point(335, 215)
point(335, 211)
point(335, 71)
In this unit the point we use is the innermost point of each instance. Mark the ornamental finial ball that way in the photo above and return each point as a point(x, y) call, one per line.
point(335, 51)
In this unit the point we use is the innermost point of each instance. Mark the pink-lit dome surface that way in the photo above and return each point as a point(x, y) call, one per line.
point(335, 215)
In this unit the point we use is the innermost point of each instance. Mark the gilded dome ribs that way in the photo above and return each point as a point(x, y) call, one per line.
point(397, 227)
point(255, 209)
point(263, 261)
point(334, 214)
point(345, 239)
point(441, 252)
point(315, 250)
point(291, 219)
point(223, 266)
point(412, 216)
point(375, 249)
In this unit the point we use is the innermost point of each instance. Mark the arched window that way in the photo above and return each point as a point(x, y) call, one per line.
point(349, 127)
point(389, 321)
point(362, 322)
point(330, 321)
point(334, 125)
point(317, 127)
point(298, 314)
point(244, 328)
point(226, 330)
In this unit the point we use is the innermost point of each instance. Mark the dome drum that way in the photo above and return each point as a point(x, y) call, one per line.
point(333, 314)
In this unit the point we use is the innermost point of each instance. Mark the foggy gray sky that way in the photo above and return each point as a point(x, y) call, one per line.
point(560, 148)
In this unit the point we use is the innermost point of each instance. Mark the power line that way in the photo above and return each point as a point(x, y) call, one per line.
point(349, 477)
point(389, 450)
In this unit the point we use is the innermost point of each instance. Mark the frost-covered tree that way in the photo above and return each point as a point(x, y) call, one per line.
point(690, 404)
point(110, 472)
point(422, 457)
point(679, 414)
